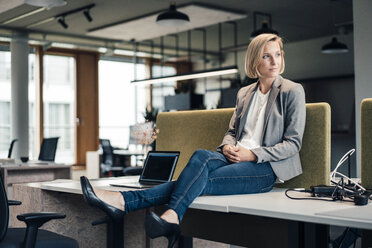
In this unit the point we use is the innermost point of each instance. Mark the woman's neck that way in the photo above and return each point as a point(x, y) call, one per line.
point(265, 84)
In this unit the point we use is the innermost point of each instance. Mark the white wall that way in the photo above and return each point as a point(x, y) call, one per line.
point(305, 61)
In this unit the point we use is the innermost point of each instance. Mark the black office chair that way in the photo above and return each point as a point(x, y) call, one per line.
point(48, 149)
point(11, 147)
point(109, 163)
point(31, 236)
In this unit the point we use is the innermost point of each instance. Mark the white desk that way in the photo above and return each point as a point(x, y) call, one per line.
point(276, 205)
point(213, 203)
point(273, 204)
point(266, 207)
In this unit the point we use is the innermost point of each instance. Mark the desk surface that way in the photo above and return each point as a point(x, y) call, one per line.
point(129, 152)
point(33, 165)
point(273, 204)
point(122, 152)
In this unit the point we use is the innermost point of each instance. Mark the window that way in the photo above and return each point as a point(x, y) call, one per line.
point(4, 64)
point(5, 99)
point(59, 104)
point(4, 127)
point(31, 106)
point(163, 89)
point(121, 104)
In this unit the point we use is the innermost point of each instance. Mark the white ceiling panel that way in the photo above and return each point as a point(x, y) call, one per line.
point(6, 5)
point(146, 28)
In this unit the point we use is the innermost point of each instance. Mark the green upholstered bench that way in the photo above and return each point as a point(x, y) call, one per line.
point(187, 131)
point(366, 142)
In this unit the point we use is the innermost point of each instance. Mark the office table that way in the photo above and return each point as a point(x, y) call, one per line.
point(258, 220)
point(19, 172)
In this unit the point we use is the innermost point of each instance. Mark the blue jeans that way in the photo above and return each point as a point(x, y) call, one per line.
point(207, 173)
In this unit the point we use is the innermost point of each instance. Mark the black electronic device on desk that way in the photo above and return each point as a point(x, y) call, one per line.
point(158, 168)
point(339, 190)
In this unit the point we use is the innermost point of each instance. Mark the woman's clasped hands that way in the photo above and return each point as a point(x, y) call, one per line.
point(238, 154)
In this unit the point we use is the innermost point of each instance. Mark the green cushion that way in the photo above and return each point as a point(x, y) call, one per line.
point(187, 131)
point(366, 142)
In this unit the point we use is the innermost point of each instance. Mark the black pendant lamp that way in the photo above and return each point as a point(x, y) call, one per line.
point(265, 29)
point(266, 25)
point(172, 17)
point(334, 47)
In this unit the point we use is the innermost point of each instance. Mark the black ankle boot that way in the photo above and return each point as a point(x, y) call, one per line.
point(157, 227)
point(90, 197)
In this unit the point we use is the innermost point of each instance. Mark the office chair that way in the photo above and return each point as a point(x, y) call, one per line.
point(31, 236)
point(11, 147)
point(48, 149)
point(108, 166)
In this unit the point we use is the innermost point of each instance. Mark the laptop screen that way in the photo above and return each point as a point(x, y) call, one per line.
point(159, 166)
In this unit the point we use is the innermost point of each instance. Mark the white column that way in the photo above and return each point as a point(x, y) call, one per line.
point(19, 93)
point(362, 10)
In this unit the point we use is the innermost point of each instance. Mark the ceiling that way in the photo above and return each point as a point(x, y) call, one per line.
point(295, 20)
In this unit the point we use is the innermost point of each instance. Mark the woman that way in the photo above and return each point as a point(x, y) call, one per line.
point(261, 145)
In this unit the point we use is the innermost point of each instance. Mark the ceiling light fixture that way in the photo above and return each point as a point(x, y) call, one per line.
point(61, 17)
point(188, 76)
point(23, 16)
point(40, 22)
point(46, 3)
point(87, 15)
point(334, 47)
point(266, 25)
point(61, 21)
point(172, 17)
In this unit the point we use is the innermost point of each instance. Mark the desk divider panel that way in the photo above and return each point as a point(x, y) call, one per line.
point(366, 142)
point(187, 131)
point(315, 152)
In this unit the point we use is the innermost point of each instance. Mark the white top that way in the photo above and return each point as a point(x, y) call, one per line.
point(272, 204)
point(253, 129)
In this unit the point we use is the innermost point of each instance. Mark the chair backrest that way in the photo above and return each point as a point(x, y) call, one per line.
point(186, 131)
point(11, 147)
point(366, 142)
point(48, 149)
point(108, 152)
point(4, 209)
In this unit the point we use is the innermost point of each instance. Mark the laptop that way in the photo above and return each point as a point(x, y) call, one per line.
point(158, 168)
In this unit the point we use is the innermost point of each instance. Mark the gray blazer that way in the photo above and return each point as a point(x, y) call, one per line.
point(284, 125)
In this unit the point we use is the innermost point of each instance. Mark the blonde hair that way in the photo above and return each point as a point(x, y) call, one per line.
point(255, 51)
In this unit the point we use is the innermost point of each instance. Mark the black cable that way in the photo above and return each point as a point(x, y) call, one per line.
point(304, 198)
point(309, 198)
